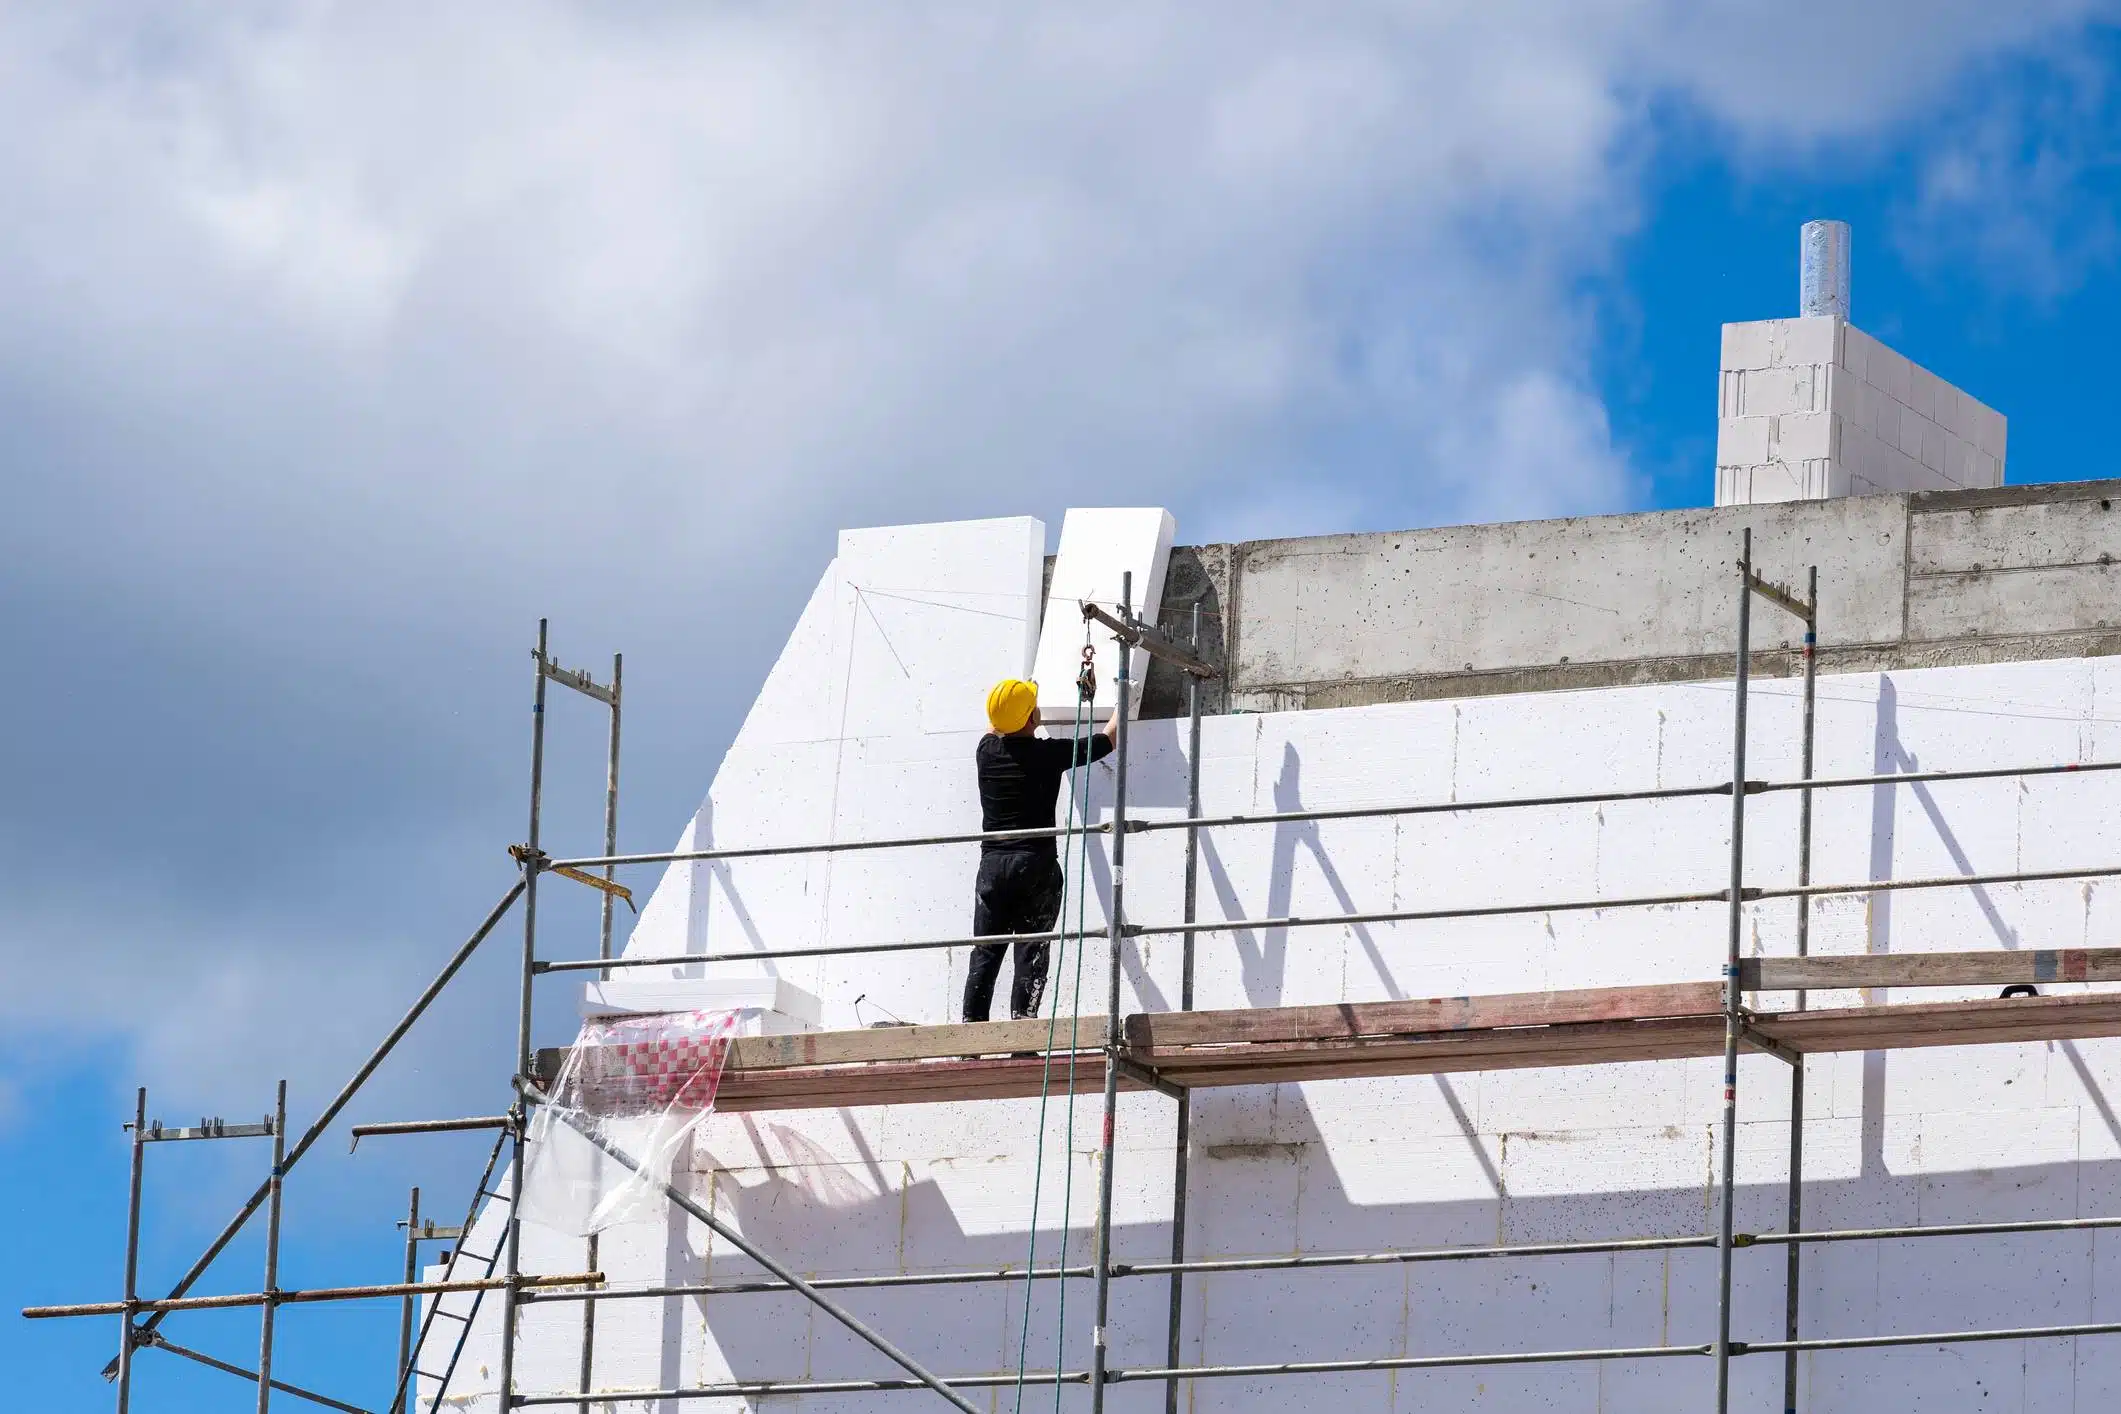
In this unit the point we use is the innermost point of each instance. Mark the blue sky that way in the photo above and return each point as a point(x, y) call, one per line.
point(337, 344)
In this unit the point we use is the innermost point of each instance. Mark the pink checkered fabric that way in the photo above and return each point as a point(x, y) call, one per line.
point(639, 1065)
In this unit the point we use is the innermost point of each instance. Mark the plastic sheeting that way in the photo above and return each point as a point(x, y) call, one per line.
point(641, 1084)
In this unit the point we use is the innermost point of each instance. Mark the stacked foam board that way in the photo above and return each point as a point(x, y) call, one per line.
point(765, 1006)
point(864, 729)
point(1099, 549)
point(1815, 407)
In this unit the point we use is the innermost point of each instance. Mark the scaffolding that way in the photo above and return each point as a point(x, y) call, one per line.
point(1177, 1052)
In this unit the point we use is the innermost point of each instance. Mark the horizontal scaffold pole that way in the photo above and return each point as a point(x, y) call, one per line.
point(1218, 1265)
point(822, 950)
point(1407, 915)
point(885, 1279)
point(769, 851)
point(314, 1294)
point(1432, 915)
point(1893, 1234)
point(1882, 1342)
point(759, 1389)
point(1137, 827)
point(1408, 1362)
point(1940, 881)
point(425, 1126)
point(1211, 1265)
point(1433, 807)
point(1923, 778)
point(1353, 812)
point(1157, 930)
point(763, 1388)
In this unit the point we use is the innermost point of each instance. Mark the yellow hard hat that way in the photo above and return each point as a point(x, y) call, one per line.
point(1010, 704)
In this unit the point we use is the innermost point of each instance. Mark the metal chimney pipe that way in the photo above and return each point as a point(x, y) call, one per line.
point(1823, 269)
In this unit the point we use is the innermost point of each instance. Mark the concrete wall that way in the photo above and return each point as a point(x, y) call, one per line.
point(2022, 1131)
point(1905, 581)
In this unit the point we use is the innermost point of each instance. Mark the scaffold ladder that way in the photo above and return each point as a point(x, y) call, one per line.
point(407, 1389)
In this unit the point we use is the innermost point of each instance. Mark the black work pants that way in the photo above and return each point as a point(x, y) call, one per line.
point(1019, 891)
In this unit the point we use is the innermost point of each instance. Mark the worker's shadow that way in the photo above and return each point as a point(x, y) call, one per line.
point(1263, 957)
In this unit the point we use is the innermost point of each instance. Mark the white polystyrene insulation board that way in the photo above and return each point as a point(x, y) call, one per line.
point(1951, 1134)
point(1099, 546)
point(927, 618)
point(622, 996)
point(889, 665)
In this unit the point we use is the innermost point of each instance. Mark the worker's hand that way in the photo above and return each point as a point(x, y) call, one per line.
point(1112, 723)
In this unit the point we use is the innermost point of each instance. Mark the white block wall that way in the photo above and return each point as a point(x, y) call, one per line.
point(1811, 408)
point(1948, 1135)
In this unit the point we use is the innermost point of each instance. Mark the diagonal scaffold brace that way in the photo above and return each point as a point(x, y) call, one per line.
point(156, 1340)
point(533, 1095)
point(316, 1130)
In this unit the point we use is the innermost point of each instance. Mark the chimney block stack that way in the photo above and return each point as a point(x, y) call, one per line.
point(1813, 407)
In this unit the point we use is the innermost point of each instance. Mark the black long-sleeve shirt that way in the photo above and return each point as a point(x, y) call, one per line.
point(1019, 784)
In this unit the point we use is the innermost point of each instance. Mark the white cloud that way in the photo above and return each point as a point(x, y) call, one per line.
point(2020, 186)
point(340, 334)
point(731, 266)
point(1810, 72)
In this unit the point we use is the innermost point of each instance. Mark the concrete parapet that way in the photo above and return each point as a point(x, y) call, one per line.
point(1906, 580)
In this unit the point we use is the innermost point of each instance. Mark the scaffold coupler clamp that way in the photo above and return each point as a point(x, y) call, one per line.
point(530, 857)
point(518, 1126)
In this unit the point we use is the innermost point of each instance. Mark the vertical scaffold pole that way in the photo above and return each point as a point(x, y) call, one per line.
point(405, 1308)
point(271, 1306)
point(1732, 1019)
point(611, 815)
point(533, 862)
point(132, 1252)
point(611, 847)
point(1184, 1137)
point(1792, 1286)
point(1102, 1266)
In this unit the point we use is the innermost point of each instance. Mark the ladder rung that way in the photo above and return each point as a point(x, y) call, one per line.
point(450, 1315)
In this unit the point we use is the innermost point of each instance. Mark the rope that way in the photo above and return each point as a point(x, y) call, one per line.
point(1075, 1020)
point(1070, 877)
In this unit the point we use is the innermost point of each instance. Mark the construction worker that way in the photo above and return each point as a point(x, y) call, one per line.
point(1019, 888)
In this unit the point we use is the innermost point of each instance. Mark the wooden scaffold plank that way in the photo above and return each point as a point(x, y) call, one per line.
point(1938, 969)
point(1271, 1045)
